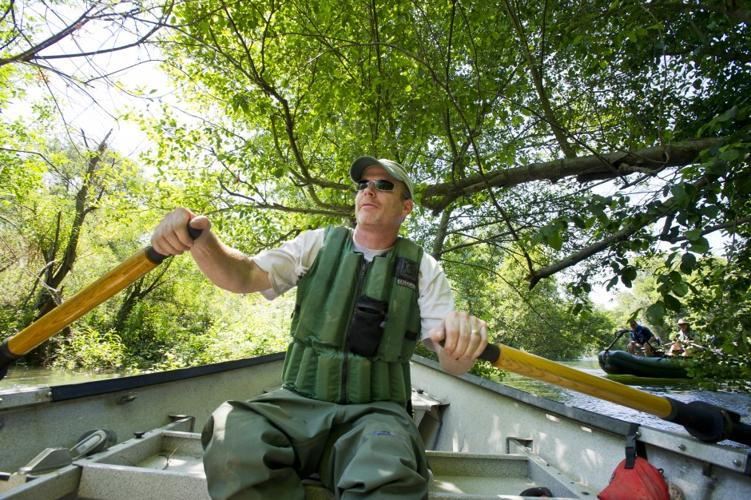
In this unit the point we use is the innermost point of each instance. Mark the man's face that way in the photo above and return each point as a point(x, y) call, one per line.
point(683, 326)
point(381, 208)
point(632, 324)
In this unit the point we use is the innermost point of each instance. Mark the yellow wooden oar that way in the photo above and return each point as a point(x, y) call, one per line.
point(84, 301)
point(704, 421)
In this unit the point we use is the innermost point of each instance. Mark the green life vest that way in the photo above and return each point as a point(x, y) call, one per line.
point(355, 323)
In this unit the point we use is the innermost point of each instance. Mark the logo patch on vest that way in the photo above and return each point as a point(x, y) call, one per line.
point(406, 273)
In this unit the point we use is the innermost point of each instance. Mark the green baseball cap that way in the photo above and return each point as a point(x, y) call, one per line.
point(393, 168)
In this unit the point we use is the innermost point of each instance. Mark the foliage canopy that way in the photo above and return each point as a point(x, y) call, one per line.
point(566, 141)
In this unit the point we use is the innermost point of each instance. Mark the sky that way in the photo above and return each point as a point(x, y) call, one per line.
point(102, 87)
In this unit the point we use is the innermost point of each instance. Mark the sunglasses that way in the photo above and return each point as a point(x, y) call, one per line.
point(380, 185)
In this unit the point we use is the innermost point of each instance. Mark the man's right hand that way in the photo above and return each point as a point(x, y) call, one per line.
point(225, 266)
point(171, 235)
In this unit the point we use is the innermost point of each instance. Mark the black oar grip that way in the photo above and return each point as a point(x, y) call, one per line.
point(709, 423)
point(741, 433)
point(157, 258)
point(6, 358)
point(491, 353)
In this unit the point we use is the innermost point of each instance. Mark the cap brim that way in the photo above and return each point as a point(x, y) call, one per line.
point(396, 171)
point(360, 164)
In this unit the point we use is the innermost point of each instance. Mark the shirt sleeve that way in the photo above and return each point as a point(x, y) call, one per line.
point(436, 298)
point(286, 264)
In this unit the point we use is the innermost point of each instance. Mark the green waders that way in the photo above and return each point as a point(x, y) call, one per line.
point(370, 450)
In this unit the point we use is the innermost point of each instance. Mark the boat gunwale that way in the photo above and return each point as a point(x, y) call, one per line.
point(105, 386)
point(97, 387)
point(724, 454)
point(602, 422)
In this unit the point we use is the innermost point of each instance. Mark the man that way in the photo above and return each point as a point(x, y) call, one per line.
point(640, 336)
point(364, 298)
point(681, 340)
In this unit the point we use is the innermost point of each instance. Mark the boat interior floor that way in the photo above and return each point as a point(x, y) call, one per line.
point(166, 463)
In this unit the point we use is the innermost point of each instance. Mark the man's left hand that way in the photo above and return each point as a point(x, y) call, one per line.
point(459, 341)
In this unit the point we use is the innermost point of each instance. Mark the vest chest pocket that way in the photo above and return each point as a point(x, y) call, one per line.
point(366, 329)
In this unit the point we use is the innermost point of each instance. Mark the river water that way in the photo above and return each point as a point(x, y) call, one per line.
point(682, 390)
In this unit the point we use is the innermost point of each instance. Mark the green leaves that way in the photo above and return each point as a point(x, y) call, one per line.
point(688, 263)
point(655, 313)
point(699, 244)
point(628, 275)
point(552, 235)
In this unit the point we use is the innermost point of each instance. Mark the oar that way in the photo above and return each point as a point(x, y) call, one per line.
point(84, 301)
point(702, 420)
point(618, 335)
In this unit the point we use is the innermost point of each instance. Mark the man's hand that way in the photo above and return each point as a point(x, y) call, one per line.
point(459, 341)
point(171, 235)
point(225, 266)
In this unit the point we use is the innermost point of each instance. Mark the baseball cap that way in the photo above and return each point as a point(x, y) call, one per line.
point(393, 168)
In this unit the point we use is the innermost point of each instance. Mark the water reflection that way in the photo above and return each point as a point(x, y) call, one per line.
point(20, 377)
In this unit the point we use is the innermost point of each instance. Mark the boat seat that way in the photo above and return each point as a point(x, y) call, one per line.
point(427, 412)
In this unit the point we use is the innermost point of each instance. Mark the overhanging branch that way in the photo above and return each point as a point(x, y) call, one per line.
point(586, 169)
point(665, 209)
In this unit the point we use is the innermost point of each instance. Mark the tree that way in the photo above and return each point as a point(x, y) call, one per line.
point(599, 130)
point(47, 38)
point(714, 302)
point(574, 138)
point(718, 309)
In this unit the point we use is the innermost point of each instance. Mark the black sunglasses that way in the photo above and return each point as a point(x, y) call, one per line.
point(380, 185)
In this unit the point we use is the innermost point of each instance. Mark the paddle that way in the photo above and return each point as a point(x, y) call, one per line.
point(702, 420)
point(618, 335)
point(61, 316)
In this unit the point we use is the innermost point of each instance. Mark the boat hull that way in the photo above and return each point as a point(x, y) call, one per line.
point(469, 416)
point(624, 363)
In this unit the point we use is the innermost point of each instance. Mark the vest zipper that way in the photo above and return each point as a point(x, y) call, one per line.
point(345, 361)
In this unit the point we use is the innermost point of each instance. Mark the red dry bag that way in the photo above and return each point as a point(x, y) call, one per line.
point(642, 481)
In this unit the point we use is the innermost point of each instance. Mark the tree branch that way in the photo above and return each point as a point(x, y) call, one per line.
point(665, 209)
point(585, 169)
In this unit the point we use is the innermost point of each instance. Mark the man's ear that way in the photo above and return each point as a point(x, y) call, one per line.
point(407, 206)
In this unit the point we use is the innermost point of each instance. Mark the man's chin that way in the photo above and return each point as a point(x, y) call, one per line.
point(366, 220)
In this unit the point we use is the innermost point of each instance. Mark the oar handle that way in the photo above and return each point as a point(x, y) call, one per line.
point(157, 258)
point(79, 304)
point(491, 353)
point(708, 422)
point(702, 420)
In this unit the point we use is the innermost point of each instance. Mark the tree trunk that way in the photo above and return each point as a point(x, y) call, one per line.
point(50, 296)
